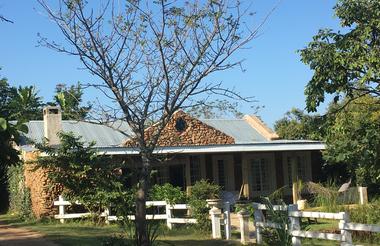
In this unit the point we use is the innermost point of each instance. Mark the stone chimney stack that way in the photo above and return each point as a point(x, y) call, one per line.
point(52, 124)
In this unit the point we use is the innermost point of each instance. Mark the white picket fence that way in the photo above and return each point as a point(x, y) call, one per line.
point(294, 226)
point(220, 215)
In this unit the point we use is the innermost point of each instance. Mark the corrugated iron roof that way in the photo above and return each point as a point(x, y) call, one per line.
point(110, 137)
point(239, 129)
point(104, 136)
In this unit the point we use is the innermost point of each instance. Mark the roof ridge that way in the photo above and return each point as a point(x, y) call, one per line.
point(224, 119)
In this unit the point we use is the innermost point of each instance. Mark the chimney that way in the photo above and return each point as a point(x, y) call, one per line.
point(52, 124)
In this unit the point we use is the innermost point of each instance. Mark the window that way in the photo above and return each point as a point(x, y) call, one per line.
point(195, 169)
point(162, 175)
point(180, 124)
point(260, 174)
point(301, 168)
point(221, 174)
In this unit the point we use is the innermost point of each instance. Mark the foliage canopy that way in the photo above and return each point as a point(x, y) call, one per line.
point(345, 62)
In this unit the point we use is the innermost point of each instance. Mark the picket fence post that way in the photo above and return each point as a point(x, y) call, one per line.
point(294, 224)
point(61, 209)
point(215, 222)
point(346, 234)
point(169, 215)
point(106, 215)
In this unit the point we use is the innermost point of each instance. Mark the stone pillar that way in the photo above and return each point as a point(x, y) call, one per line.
point(243, 216)
point(215, 222)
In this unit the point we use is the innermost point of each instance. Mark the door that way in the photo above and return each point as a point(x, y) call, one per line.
point(223, 172)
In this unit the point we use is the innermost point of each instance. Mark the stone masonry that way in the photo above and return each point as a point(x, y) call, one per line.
point(42, 191)
point(194, 132)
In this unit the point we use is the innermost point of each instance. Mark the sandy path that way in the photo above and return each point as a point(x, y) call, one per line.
point(12, 236)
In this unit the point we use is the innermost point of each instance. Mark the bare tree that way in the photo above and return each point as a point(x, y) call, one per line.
point(2, 18)
point(152, 58)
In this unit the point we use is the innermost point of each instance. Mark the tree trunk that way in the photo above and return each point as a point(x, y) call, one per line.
point(140, 217)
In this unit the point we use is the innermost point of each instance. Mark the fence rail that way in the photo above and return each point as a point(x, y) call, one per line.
point(220, 216)
point(294, 227)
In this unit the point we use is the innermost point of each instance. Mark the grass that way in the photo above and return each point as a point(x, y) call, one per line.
point(329, 226)
point(85, 233)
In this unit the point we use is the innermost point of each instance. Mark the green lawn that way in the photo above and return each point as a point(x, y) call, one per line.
point(84, 233)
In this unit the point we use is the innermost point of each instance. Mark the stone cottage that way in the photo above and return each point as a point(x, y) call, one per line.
point(243, 156)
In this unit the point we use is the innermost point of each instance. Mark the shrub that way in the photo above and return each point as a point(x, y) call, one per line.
point(366, 214)
point(278, 236)
point(203, 190)
point(19, 195)
point(200, 192)
point(167, 192)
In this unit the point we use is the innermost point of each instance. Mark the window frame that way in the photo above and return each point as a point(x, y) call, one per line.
point(271, 173)
point(306, 157)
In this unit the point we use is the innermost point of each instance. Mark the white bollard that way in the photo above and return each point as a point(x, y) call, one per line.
point(61, 209)
point(215, 222)
point(243, 216)
point(227, 220)
point(294, 224)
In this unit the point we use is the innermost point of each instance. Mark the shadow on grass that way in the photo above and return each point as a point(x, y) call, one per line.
point(198, 242)
point(85, 233)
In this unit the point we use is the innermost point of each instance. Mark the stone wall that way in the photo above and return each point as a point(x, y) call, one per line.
point(42, 192)
point(195, 132)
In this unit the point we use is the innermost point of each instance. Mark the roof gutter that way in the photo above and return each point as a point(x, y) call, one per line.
point(259, 147)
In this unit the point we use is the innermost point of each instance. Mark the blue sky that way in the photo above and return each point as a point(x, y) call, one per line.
point(274, 73)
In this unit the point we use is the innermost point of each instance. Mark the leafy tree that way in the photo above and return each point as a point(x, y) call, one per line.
point(351, 134)
point(15, 104)
point(26, 104)
point(346, 63)
point(94, 180)
point(353, 141)
point(70, 99)
point(152, 58)
point(296, 124)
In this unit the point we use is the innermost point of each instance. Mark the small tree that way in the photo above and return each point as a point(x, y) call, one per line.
point(94, 180)
point(18, 105)
point(152, 58)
